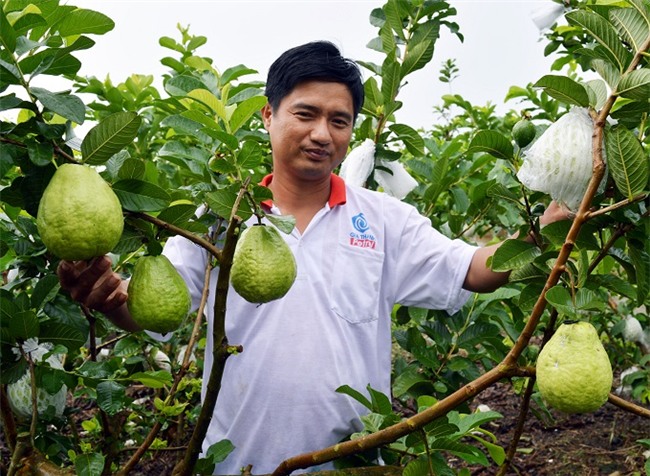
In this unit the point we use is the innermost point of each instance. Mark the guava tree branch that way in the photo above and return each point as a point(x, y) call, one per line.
point(210, 247)
point(582, 216)
point(405, 427)
point(222, 350)
point(151, 436)
point(629, 406)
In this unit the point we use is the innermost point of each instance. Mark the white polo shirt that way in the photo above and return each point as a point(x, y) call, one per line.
point(361, 254)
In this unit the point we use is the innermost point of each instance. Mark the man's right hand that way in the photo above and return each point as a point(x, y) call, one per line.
point(93, 283)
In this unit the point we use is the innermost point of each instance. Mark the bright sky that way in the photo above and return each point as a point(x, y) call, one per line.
point(502, 44)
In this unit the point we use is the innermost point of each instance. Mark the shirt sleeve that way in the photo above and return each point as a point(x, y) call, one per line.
point(430, 267)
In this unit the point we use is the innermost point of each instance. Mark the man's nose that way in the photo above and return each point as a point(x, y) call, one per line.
point(321, 132)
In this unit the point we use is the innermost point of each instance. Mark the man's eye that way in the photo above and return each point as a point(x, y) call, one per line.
point(341, 122)
point(303, 114)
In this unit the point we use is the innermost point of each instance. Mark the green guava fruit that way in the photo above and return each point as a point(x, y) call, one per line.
point(79, 216)
point(574, 374)
point(523, 132)
point(158, 298)
point(263, 266)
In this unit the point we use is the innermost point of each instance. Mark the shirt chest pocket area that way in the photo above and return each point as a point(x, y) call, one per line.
point(355, 284)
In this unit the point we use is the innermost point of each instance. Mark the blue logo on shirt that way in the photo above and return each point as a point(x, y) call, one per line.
point(360, 224)
point(362, 239)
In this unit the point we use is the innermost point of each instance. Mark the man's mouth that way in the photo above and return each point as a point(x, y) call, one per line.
point(316, 153)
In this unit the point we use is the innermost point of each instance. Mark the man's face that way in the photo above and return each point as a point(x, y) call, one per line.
point(310, 130)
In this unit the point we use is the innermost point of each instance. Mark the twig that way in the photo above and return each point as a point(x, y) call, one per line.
point(628, 406)
point(222, 349)
point(151, 436)
point(214, 251)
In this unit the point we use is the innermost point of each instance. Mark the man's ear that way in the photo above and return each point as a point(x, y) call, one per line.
point(266, 115)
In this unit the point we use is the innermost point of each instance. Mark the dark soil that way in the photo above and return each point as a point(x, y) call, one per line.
point(599, 443)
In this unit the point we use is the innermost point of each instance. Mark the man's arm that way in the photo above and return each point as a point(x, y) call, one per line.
point(95, 285)
point(480, 278)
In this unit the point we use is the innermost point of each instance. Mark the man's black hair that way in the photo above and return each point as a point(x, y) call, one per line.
point(318, 60)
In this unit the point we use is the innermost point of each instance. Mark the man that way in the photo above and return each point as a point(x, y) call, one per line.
point(358, 253)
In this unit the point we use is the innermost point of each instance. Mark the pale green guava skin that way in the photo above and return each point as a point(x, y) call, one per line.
point(158, 297)
point(79, 216)
point(263, 266)
point(574, 374)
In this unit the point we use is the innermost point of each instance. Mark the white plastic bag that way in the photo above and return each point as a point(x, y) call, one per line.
point(358, 164)
point(399, 184)
point(560, 162)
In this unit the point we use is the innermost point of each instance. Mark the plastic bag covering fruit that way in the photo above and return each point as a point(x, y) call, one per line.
point(158, 298)
point(560, 162)
point(358, 164)
point(523, 132)
point(79, 216)
point(574, 374)
point(399, 183)
point(19, 393)
point(263, 266)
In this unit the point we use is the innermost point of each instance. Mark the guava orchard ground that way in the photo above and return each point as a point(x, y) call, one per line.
point(600, 443)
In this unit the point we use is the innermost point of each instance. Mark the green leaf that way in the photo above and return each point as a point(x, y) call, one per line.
point(560, 299)
point(394, 18)
point(564, 89)
point(390, 79)
point(62, 334)
point(23, 325)
point(358, 396)
point(499, 191)
point(635, 85)
point(40, 153)
point(410, 137)
point(607, 71)
point(416, 57)
point(81, 21)
point(179, 149)
point(417, 467)
point(641, 261)
point(46, 288)
point(141, 196)
point(7, 33)
point(497, 453)
point(178, 214)
point(89, 464)
point(603, 32)
point(217, 453)
point(588, 300)
point(380, 403)
point(493, 143)
point(514, 254)
point(627, 161)
point(153, 379)
point(245, 111)
point(109, 137)
point(250, 156)
point(235, 72)
point(65, 105)
point(284, 223)
point(222, 202)
point(467, 423)
point(111, 396)
point(631, 26)
point(597, 90)
point(406, 379)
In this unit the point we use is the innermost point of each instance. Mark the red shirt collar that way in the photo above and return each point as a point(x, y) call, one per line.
point(337, 190)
